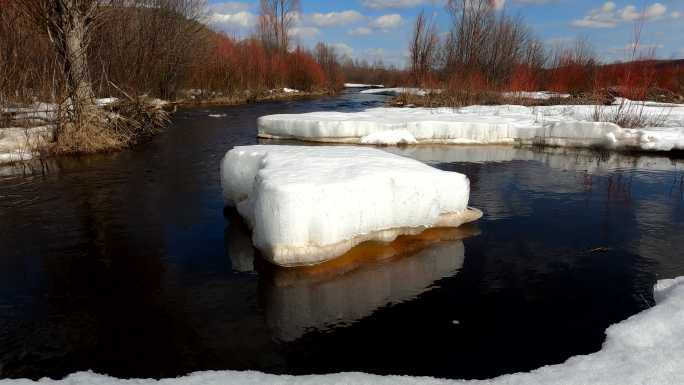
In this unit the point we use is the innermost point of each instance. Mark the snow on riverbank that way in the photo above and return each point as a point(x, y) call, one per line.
point(396, 91)
point(647, 348)
point(311, 204)
point(507, 124)
point(19, 144)
point(536, 95)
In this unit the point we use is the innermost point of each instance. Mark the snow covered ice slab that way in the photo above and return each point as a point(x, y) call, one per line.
point(647, 348)
point(306, 205)
point(507, 124)
point(397, 91)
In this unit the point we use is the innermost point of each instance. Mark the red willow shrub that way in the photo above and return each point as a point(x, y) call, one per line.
point(229, 66)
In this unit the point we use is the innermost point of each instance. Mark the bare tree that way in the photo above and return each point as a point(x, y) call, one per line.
point(486, 43)
point(276, 20)
point(68, 24)
point(423, 49)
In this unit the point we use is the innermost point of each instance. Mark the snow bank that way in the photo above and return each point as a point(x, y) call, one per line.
point(536, 95)
point(290, 90)
point(397, 91)
point(307, 205)
point(19, 144)
point(647, 348)
point(36, 112)
point(550, 125)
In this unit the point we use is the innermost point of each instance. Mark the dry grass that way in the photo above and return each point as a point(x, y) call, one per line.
point(114, 127)
point(464, 98)
point(628, 114)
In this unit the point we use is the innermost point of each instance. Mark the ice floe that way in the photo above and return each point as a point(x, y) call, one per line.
point(647, 348)
point(389, 138)
point(397, 91)
point(307, 205)
point(508, 124)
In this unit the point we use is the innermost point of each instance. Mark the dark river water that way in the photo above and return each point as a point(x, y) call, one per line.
point(127, 265)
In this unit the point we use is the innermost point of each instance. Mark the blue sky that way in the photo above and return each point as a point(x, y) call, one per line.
point(380, 29)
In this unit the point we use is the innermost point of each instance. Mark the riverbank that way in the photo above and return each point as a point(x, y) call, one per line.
point(31, 131)
point(286, 94)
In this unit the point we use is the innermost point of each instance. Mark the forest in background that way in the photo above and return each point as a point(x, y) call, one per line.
point(162, 48)
point(70, 52)
point(486, 50)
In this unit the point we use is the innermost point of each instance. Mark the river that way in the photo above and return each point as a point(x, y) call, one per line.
point(126, 264)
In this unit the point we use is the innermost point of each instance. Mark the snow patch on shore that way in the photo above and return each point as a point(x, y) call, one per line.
point(19, 144)
point(307, 205)
point(536, 95)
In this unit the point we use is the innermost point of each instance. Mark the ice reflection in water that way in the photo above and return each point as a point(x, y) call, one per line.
point(371, 276)
point(349, 288)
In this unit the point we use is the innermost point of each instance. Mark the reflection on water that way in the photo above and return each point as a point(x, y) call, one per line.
point(126, 264)
point(368, 277)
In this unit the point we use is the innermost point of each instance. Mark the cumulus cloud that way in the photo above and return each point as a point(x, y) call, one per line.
point(304, 32)
point(229, 21)
point(384, 4)
point(609, 16)
point(336, 19)
point(230, 16)
point(387, 21)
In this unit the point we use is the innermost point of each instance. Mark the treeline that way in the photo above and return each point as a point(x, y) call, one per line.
point(159, 48)
point(488, 50)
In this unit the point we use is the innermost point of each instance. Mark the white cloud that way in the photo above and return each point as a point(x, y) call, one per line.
point(343, 49)
point(609, 16)
point(230, 16)
point(388, 21)
point(384, 4)
point(304, 32)
point(676, 14)
point(655, 11)
point(230, 21)
point(360, 31)
point(229, 7)
point(336, 19)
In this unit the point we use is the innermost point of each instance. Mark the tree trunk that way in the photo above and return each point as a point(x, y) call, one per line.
point(74, 58)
